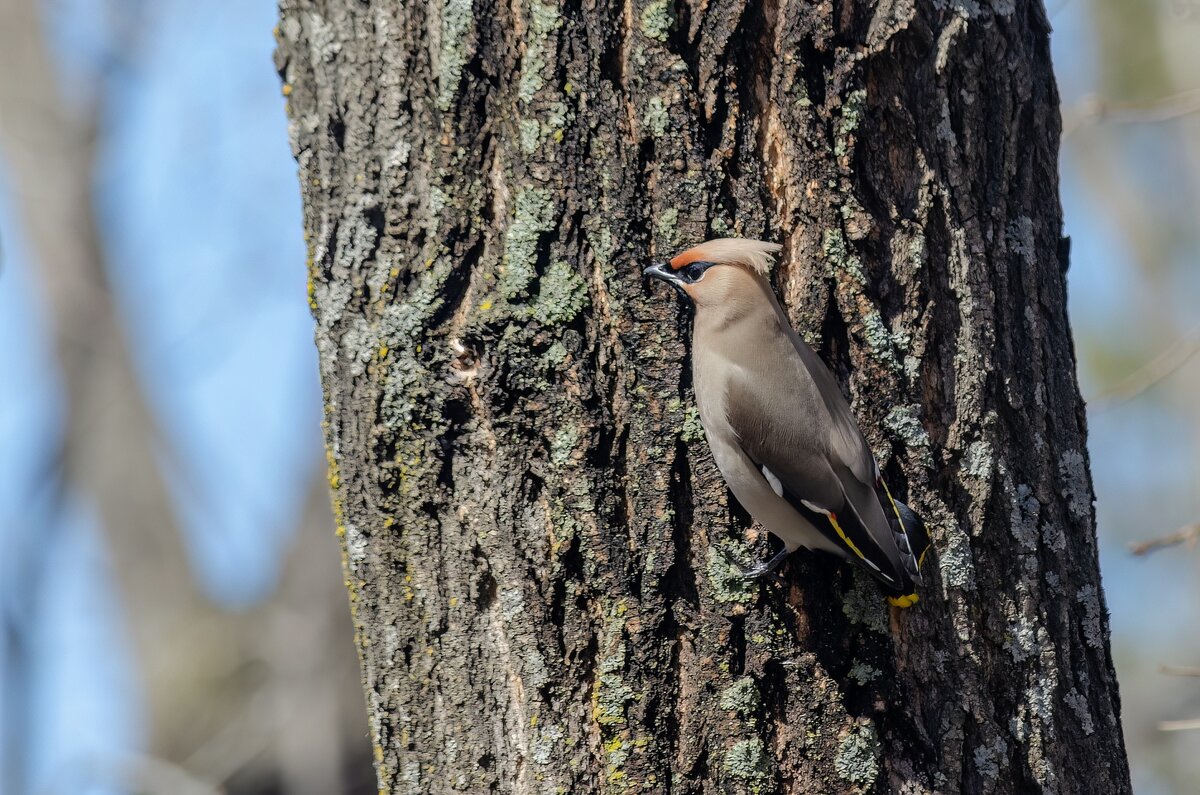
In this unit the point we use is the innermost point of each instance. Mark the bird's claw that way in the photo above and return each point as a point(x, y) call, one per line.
point(767, 568)
point(758, 572)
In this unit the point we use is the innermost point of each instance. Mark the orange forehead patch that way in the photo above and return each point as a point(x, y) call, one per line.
point(686, 258)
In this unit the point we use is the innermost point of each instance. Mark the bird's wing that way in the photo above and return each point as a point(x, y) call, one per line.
point(828, 476)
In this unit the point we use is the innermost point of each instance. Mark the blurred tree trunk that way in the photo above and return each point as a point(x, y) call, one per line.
point(529, 514)
point(250, 696)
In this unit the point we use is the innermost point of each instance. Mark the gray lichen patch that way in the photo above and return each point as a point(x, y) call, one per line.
point(690, 427)
point(741, 697)
point(1020, 239)
point(1078, 704)
point(857, 759)
point(978, 461)
point(837, 257)
point(746, 761)
point(562, 295)
point(655, 117)
point(1073, 469)
point(452, 55)
point(724, 574)
point(1093, 624)
point(863, 673)
point(666, 228)
point(851, 116)
point(989, 757)
point(1023, 519)
point(880, 338)
point(656, 19)
point(1021, 640)
point(529, 134)
point(544, 19)
point(955, 561)
point(544, 743)
point(564, 443)
point(864, 604)
point(905, 422)
point(1054, 537)
point(545, 128)
point(612, 694)
point(692, 430)
point(533, 215)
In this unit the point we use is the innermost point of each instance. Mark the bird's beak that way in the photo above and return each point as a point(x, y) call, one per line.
point(663, 272)
point(659, 270)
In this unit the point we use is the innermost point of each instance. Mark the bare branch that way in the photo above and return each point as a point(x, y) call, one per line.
point(1179, 725)
point(1160, 367)
point(1188, 534)
point(1096, 110)
point(1179, 670)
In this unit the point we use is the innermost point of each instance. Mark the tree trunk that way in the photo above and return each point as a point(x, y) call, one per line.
point(534, 530)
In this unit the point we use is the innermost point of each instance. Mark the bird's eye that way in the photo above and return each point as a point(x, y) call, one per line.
point(694, 271)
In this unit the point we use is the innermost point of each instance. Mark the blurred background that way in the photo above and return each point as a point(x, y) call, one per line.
point(166, 554)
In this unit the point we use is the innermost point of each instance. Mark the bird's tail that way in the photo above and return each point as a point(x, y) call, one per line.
point(912, 537)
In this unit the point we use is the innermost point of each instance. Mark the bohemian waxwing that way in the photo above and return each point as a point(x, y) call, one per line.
point(780, 430)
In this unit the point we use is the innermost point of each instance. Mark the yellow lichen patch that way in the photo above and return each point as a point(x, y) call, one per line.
point(334, 478)
point(287, 89)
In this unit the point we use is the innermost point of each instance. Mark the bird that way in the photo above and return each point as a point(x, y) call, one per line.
point(780, 430)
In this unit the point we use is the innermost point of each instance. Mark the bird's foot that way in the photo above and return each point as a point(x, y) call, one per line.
point(767, 569)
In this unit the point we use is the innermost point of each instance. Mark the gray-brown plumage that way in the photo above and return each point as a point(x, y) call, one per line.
point(779, 427)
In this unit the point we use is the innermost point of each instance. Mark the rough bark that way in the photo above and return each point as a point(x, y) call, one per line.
point(531, 518)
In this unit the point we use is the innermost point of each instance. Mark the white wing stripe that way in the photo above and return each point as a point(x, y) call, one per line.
point(776, 486)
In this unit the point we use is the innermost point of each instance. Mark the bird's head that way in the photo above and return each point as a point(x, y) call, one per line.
point(718, 271)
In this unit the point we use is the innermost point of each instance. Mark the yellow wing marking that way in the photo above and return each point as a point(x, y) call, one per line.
point(896, 509)
point(833, 521)
point(892, 500)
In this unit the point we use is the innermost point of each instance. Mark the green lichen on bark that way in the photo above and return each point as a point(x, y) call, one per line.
point(656, 19)
point(544, 19)
point(532, 217)
point(725, 577)
point(857, 759)
point(457, 16)
point(746, 761)
point(741, 697)
point(562, 295)
point(655, 117)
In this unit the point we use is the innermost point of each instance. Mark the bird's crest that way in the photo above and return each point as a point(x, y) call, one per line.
point(756, 255)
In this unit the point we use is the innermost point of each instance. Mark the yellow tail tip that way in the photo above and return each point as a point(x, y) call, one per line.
point(907, 600)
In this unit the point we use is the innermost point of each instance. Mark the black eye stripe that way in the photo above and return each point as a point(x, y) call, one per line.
point(695, 271)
